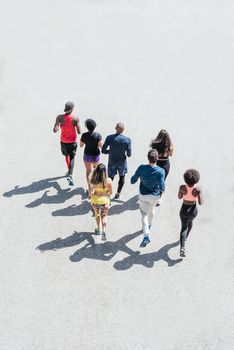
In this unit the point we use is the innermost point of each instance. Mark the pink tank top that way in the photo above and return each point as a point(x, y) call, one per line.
point(68, 129)
point(189, 196)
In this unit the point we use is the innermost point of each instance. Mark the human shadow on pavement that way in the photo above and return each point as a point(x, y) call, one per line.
point(131, 204)
point(105, 251)
point(74, 239)
point(148, 259)
point(61, 197)
point(36, 186)
point(73, 210)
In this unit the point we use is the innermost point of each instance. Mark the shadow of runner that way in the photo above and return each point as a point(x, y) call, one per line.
point(74, 239)
point(74, 210)
point(61, 197)
point(36, 186)
point(105, 251)
point(131, 204)
point(148, 259)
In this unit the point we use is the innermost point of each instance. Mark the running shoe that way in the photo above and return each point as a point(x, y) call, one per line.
point(182, 253)
point(145, 241)
point(97, 231)
point(67, 173)
point(117, 196)
point(103, 236)
point(70, 180)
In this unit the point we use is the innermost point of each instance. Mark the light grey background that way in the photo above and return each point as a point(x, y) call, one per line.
point(151, 64)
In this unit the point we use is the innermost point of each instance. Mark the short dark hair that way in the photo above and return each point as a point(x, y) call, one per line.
point(90, 124)
point(152, 156)
point(69, 107)
point(191, 176)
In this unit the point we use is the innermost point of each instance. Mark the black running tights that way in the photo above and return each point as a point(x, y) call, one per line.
point(120, 183)
point(187, 214)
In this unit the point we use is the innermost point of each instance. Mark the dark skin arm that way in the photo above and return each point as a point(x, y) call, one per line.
point(182, 191)
point(77, 125)
point(196, 192)
point(57, 123)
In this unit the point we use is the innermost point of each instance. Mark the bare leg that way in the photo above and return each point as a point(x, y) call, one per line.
point(67, 159)
point(97, 217)
point(104, 220)
point(88, 168)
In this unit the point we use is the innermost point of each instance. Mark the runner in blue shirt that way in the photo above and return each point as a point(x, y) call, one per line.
point(118, 147)
point(151, 186)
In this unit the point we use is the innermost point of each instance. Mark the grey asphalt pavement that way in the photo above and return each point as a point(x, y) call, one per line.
point(151, 64)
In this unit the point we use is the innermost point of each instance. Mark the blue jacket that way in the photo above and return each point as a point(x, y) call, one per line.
point(151, 179)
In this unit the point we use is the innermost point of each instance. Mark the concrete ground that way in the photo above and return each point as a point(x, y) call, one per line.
point(151, 64)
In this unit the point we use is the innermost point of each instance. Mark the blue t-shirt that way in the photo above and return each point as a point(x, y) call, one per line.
point(151, 179)
point(118, 147)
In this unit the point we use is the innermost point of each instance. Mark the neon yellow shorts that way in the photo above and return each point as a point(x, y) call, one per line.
point(100, 200)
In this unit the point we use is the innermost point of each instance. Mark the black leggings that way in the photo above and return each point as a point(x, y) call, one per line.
point(187, 214)
point(165, 164)
point(120, 183)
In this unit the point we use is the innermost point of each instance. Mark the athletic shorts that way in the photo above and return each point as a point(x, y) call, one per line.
point(113, 169)
point(91, 159)
point(68, 148)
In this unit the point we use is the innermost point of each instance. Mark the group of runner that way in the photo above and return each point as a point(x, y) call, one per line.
point(152, 176)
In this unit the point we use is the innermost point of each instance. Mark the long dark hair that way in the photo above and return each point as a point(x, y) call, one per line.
point(99, 175)
point(162, 143)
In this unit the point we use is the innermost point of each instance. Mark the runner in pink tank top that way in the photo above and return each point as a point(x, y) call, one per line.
point(191, 194)
point(69, 126)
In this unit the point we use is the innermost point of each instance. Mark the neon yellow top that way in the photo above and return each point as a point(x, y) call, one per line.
point(100, 199)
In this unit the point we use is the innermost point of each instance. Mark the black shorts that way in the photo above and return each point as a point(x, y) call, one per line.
point(68, 149)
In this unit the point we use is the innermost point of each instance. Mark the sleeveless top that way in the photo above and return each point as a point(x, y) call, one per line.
point(163, 153)
point(68, 129)
point(189, 196)
point(103, 199)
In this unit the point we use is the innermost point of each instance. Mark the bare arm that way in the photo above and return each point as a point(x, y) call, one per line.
point(182, 191)
point(200, 195)
point(171, 150)
point(78, 129)
point(100, 144)
point(81, 144)
point(56, 125)
point(91, 188)
point(110, 186)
